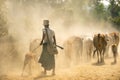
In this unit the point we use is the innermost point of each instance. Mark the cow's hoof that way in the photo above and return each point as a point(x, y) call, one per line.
point(98, 61)
point(113, 63)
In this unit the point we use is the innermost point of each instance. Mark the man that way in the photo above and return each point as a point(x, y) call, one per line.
point(46, 59)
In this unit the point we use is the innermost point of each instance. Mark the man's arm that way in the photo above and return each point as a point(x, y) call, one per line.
point(43, 36)
point(54, 39)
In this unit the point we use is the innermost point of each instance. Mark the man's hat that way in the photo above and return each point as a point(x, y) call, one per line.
point(45, 22)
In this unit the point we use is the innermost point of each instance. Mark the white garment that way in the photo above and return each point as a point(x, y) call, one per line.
point(50, 35)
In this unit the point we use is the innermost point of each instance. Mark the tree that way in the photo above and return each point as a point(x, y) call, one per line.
point(114, 9)
point(99, 10)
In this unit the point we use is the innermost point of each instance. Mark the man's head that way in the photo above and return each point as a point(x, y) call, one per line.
point(46, 23)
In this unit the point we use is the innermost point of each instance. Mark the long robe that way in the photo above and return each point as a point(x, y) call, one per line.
point(46, 59)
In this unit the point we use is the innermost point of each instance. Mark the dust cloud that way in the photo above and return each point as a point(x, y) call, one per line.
point(25, 23)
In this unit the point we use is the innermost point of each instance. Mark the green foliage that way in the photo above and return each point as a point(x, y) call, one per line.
point(110, 13)
point(115, 21)
point(114, 9)
point(69, 10)
point(98, 10)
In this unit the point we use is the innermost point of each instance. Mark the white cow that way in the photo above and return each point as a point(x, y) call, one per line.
point(88, 47)
point(73, 47)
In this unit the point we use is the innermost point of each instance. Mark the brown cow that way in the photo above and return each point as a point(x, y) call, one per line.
point(29, 57)
point(100, 44)
point(113, 38)
point(32, 55)
point(115, 53)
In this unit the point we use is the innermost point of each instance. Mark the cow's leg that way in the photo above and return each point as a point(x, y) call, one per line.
point(98, 56)
point(87, 54)
point(80, 54)
point(24, 65)
point(107, 51)
point(94, 53)
point(23, 69)
point(114, 51)
point(115, 57)
point(115, 60)
point(77, 56)
point(116, 54)
point(103, 55)
point(90, 53)
point(30, 68)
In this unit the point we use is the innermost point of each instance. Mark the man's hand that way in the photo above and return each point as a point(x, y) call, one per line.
point(41, 43)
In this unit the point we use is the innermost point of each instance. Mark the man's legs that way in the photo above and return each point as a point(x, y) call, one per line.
point(45, 72)
point(53, 71)
point(115, 58)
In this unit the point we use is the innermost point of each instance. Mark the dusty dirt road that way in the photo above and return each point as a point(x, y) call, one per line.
point(85, 71)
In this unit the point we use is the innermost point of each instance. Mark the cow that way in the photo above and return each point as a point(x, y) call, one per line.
point(115, 38)
point(29, 57)
point(32, 56)
point(112, 38)
point(73, 47)
point(100, 44)
point(115, 53)
point(88, 47)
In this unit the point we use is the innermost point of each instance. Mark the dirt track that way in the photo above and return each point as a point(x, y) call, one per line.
point(86, 71)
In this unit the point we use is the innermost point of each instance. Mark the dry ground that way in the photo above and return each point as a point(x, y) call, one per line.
point(84, 71)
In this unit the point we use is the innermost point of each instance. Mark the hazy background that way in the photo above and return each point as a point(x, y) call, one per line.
point(21, 21)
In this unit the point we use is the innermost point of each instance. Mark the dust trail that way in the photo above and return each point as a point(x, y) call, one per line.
point(24, 20)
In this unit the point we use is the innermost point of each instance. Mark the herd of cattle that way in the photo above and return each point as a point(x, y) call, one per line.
point(78, 48)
